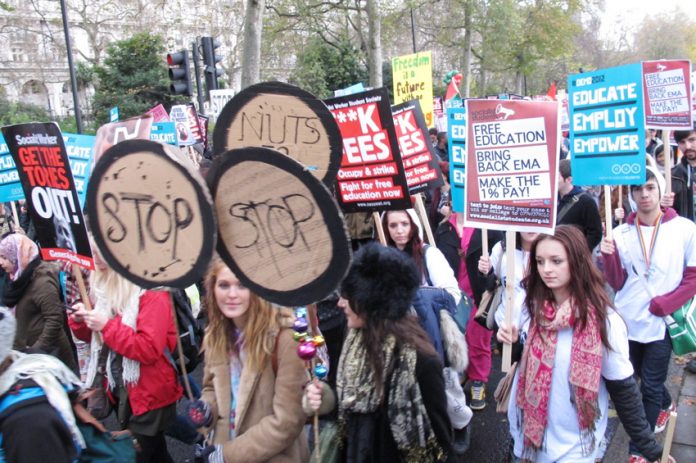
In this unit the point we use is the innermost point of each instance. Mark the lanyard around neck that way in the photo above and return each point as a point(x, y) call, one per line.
point(648, 251)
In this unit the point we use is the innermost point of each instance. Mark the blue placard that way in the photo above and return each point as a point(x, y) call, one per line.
point(164, 132)
point(456, 136)
point(113, 114)
point(10, 187)
point(607, 132)
point(81, 154)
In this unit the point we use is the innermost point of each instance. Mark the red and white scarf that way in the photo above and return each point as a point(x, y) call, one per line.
point(534, 383)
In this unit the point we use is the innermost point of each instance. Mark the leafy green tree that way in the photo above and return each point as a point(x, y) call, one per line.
point(323, 67)
point(133, 77)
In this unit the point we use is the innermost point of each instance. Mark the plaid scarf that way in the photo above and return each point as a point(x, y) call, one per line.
point(536, 369)
point(408, 419)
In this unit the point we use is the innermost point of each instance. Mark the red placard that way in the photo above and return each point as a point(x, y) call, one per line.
point(371, 177)
point(511, 166)
point(667, 90)
point(420, 162)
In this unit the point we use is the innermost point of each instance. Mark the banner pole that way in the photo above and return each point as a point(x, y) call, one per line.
point(15, 215)
point(484, 242)
point(509, 294)
point(620, 187)
point(180, 348)
point(378, 227)
point(667, 152)
point(425, 223)
point(667, 446)
point(607, 211)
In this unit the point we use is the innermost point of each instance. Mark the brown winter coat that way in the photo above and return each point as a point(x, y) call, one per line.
point(269, 417)
point(41, 318)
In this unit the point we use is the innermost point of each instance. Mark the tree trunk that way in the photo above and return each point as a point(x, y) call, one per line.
point(251, 52)
point(466, 72)
point(374, 21)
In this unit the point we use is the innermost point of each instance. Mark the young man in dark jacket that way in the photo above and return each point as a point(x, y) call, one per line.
point(576, 207)
point(684, 174)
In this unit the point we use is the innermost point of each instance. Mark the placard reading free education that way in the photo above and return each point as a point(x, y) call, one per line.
point(607, 134)
point(667, 90)
point(413, 80)
point(371, 176)
point(420, 162)
point(511, 165)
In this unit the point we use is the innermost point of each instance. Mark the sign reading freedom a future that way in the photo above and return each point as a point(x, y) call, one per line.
point(413, 80)
point(511, 165)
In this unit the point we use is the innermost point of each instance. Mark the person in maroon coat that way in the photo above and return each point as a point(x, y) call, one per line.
point(138, 328)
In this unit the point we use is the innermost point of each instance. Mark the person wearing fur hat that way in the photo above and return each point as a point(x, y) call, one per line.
point(253, 377)
point(36, 392)
point(390, 390)
point(651, 263)
point(135, 329)
point(33, 291)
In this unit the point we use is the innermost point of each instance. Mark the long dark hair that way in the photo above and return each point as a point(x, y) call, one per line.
point(407, 330)
point(586, 285)
point(414, 247)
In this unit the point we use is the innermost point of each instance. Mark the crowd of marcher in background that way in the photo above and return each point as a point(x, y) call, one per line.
point(586, 327)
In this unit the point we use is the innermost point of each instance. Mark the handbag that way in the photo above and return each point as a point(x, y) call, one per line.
point(490, 301)
point(98, 403)
point(102, 446)
point(327, 446)
point(682, 328)
point(502, 391)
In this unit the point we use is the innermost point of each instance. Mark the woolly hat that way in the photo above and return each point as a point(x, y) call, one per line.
point(381, 282)
point(8, 326)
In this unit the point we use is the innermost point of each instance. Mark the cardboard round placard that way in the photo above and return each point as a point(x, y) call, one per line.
point(151, 215)
point(287, 119)
point(280, 230)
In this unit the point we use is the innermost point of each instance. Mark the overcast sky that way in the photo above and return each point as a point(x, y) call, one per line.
point(631, 12)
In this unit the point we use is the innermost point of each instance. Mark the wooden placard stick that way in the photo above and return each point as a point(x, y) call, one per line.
point(484, 242)
point(378, 227)
point(621, 202)
point(667, 155)
point(179, 348)
point(607, 210)
point(510, 239)
point(423, 214)
point(77, 272)
point(667, 446)
point(15, 216)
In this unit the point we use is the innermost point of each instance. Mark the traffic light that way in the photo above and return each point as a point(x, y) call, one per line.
point(179, 73)
point(210, 60)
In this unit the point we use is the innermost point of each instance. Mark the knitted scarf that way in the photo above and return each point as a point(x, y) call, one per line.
point(408, 419)
point(536, 369)
point(53, 377)
point(129, 316)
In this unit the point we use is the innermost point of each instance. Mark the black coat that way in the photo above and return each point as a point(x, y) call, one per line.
point(683, 197)
point(584, 214)
point(369, 437)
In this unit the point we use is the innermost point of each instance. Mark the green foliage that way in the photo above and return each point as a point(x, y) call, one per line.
point(20, 113)
point(323, 67)
point(133, 77)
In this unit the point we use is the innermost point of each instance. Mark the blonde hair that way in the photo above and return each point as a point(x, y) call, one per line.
point(259, 333)
point(112, 287)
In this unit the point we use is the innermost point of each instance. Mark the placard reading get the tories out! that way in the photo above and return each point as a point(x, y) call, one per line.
point(607, 134)
point(512, 152)
point(371, 177)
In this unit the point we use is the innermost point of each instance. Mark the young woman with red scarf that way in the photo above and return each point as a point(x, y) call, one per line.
point(575, 358)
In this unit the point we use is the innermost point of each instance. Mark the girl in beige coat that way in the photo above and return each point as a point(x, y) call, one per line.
point(253, 377)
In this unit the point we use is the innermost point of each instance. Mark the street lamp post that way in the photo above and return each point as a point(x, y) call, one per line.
point(71, 68)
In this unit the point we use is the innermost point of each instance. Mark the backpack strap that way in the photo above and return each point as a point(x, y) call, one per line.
point(567, 206)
